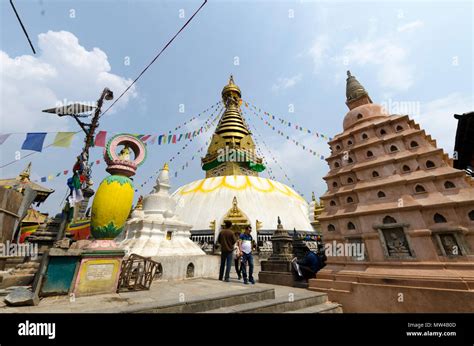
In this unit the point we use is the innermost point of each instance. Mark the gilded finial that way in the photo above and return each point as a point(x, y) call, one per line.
point(166, 167)
point(25, 174)
point(231, 79)
point(279, 221)
point(139, 205)
point(349, 73)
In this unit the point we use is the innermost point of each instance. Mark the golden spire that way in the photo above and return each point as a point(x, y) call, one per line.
point(356, 95)
point(166, 167)
point(232, 126)
point(25, 174)
point(232, 149)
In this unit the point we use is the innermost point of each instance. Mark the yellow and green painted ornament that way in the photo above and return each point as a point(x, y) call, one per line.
point(114, 198)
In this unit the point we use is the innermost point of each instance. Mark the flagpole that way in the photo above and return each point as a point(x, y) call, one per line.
point(83, 161)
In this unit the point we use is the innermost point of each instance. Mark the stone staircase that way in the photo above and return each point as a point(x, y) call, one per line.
point(260, 298)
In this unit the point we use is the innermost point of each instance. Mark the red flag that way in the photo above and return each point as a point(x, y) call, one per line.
point(145, 138)
point(100, 139)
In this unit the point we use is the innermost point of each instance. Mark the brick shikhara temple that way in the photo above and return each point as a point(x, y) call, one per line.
point(392, 190)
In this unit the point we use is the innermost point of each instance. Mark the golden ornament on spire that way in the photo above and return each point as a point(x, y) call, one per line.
point(166, 167)
point(25, 174)
point(232, 149)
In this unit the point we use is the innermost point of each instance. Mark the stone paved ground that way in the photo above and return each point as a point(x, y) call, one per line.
point(160, 294)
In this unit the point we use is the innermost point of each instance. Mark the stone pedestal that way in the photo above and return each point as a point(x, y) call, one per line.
point(278, 268)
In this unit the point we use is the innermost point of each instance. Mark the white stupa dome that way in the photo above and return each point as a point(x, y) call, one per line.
point(206, 200)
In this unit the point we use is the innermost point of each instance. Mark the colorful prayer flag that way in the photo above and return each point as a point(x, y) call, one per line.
point(63, 139)
point(100, 139)
point(34, 141)
point(4, 137)
point(160, 139)
point(144, 138)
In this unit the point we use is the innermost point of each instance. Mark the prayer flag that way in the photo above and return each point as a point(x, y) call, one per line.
point(100, 139)
point(63, 139)
point(144, 138)
point(34, 141)
point(4, 137)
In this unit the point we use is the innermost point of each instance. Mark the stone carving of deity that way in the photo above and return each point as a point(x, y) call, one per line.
point(397, 245)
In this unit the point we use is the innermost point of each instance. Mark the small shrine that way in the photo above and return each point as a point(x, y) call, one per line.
point(155, 231)
point(278, 268)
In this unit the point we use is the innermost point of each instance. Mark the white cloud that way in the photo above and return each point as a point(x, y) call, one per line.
point(436, 117)
point(393, 70)
point(285, 83)
point(410, 26)
point(297, 162)
point(62, 71)
point(318, 51)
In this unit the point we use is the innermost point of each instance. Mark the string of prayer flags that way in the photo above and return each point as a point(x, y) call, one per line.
point(34, 141)
point(208, 124)
point(281, 133)
point(64, 172)
point(289, 123)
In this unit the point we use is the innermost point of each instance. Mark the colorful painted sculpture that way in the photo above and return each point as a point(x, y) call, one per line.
point(114, 198)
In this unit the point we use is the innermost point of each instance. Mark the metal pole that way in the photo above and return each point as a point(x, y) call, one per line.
point(84, 157)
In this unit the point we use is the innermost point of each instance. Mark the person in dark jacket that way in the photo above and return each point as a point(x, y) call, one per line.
point(226, 239)
point(308, 266)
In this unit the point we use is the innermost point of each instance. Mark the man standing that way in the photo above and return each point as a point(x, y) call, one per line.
point(246, 244)
point(226, 240)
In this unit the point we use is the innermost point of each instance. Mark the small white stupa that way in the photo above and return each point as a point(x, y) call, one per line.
point(155, 231)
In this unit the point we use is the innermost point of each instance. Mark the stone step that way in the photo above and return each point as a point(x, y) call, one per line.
point(318, 284)
point(282, 303)
point(204, 303)
point(326, 308)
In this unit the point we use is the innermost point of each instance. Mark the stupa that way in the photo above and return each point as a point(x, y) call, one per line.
point(233, 189)
point(394, 196)
point(155, 231)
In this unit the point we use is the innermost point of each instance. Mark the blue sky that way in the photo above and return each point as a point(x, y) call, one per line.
point(289, 52)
